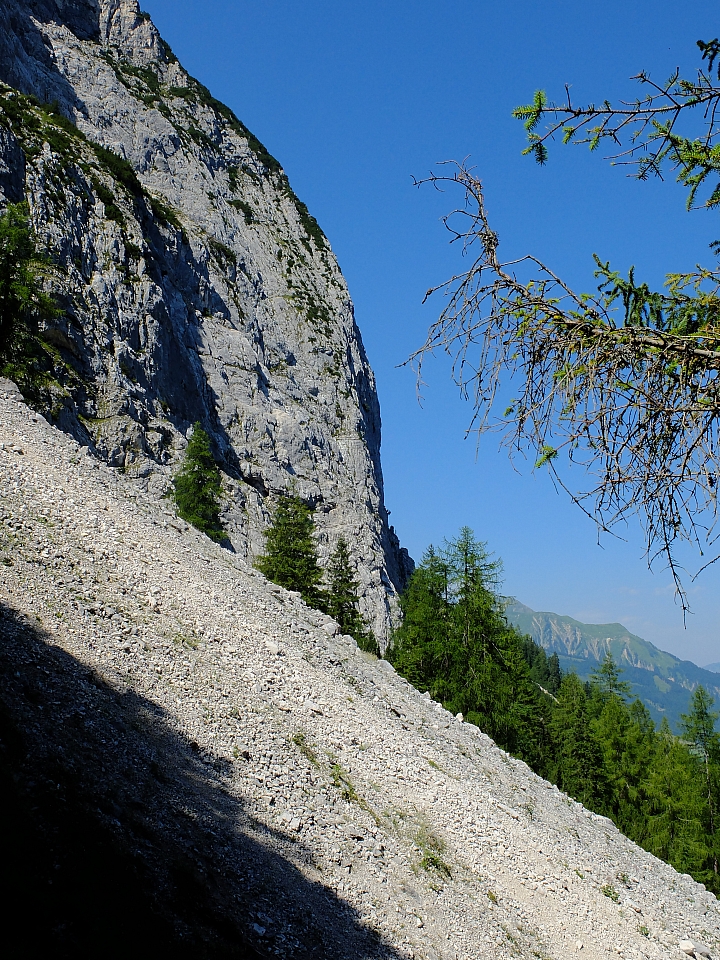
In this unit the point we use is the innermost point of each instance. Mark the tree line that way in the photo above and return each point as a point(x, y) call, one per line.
point(590, 738)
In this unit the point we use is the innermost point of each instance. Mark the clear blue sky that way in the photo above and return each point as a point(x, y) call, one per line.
point(355, 98)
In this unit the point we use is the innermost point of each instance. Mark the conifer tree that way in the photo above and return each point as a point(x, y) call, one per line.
point(455, 643)
point(610, 729)
point(607, 679)
point(671, 826)
point(343, 600)
point(544, 670)
point(419, 649)
point(291, 557)
point(636, 756)
point(197, 487)
point(698, 727)
point(579, 765)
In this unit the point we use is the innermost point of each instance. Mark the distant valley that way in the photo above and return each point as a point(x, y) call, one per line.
point(663, 682)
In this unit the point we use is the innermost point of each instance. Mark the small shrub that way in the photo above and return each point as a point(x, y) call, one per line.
point(610, 892)
point(244, 208)
point(189, 641)
point(164, 213)
point(222, 254)
point(107, 197)
point(234, 178)
point(119, 168)
point(300, 741)
point(341, 780)
point(432, 849)
point(133, 251)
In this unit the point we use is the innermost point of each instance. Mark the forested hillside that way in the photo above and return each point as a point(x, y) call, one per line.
point(663, 682)
point(591, 737)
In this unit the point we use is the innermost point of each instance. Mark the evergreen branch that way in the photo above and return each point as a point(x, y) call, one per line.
point(647, 125)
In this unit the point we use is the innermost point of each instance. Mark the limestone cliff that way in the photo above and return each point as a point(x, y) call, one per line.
point(194, 285)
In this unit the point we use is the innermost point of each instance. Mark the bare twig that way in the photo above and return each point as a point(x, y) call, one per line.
point(624, 382)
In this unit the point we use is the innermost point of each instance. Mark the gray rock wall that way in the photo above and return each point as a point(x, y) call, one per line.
point(200, 291)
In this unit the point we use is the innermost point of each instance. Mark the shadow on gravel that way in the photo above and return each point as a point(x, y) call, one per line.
point(118, 838)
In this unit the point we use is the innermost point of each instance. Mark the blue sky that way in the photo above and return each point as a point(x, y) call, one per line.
point(354, 99)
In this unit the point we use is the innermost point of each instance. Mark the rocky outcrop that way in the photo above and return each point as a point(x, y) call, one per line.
point(195, 286)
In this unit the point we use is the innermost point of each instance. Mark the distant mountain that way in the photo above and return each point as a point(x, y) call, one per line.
point(663, 682)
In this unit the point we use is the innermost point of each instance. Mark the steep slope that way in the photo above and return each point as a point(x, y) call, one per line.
point(662, 681)
point(195, 286)
point(212, 771)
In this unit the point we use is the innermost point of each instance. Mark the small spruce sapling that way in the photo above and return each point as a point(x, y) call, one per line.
point(197, 487)
point(291, 558)
point(343, 600)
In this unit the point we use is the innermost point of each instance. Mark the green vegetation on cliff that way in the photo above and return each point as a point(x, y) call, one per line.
point(22, 299)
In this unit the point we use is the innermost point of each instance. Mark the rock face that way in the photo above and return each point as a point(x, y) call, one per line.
point(194, 285)
point(248, 776)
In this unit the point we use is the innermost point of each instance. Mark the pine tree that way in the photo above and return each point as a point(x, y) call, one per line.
point(607, 679)
point(671, 826)
point(343, 600)
point(544, 670)
point(579, 764)
point(610, 729)
point(455, 643)
point(698, 727)
point(639, 748)
point(419, 647)
point(291, 557)
point(197, 486)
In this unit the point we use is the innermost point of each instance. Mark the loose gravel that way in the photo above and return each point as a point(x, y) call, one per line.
point(222, 730)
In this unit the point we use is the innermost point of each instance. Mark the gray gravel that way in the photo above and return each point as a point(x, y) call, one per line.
point(310, 762)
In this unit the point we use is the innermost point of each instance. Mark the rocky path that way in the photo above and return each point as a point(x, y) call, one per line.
point(277, 790)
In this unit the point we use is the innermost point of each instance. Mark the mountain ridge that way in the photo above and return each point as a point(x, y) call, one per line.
point(663, 681)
